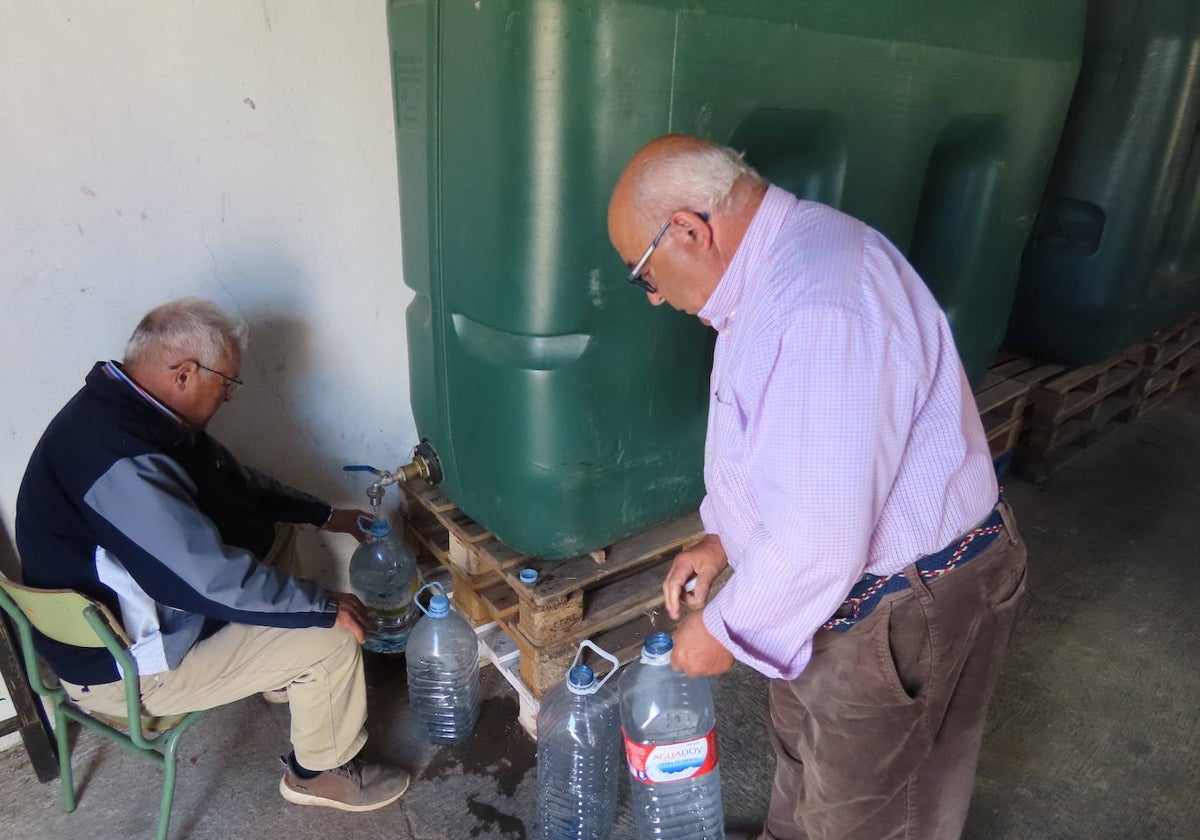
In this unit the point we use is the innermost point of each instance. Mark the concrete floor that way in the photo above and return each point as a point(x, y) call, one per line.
point(1094, 732)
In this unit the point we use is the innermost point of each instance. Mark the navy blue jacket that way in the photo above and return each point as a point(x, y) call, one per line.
point(122, 502)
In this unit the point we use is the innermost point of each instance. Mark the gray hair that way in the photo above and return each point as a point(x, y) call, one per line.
point(190, 327)
point(699, 178)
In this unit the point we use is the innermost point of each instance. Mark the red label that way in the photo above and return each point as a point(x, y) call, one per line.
point(652, 763)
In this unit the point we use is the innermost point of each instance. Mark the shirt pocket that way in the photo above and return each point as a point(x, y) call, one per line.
point(728, 439)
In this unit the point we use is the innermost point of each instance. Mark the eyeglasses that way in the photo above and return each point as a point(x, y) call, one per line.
point(635, 273)
point(232, 383)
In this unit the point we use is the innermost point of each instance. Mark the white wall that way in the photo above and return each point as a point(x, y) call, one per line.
point(240, 150)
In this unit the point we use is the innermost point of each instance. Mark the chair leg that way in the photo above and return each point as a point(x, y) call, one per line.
point(168, 792)
point(64, 758)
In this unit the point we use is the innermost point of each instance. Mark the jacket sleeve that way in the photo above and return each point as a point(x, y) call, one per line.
point(144, 511)
point(278, 501)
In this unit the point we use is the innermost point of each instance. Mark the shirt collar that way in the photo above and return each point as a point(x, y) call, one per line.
point(722, 304)
point(114, 371)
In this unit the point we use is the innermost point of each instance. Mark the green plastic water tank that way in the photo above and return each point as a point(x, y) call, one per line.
point(569, 413)
point(1116, 249)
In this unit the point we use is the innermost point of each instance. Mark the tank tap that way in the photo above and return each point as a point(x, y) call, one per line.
point(424, 465)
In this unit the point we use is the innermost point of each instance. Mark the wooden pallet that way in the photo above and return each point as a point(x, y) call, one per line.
point(1003, 395)
point(1070, 411)
point(1171, 356)
point(613, 598)
point(1165, 382)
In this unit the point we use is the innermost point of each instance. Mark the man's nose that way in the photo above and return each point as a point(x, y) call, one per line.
point(655, 298)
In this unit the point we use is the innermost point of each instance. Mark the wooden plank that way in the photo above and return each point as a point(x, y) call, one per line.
point(1039, 465)
point(557, 578)
point(1029, 371)
point(999, 394)
point(501, 601)
point(430, 497)
point(624, 598)
point(1004, 438)
point(30, 722)
point(1052, 402)
point(1089, 375)
point(1159, 386)
point(543, 667)
point(1167, 345)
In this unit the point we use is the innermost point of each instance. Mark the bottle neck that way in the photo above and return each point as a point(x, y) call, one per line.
point(657, 659)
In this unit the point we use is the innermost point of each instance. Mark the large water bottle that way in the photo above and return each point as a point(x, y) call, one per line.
point(671, 747)
point(579, 754)
point(383, 574)
point(443, 671)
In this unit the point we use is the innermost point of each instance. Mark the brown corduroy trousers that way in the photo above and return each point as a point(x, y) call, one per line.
point(880, 735)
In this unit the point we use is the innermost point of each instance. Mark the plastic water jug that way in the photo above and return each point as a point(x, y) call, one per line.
point(443, 671)
point(670, 734)
point(383, 574)
point(579, 754)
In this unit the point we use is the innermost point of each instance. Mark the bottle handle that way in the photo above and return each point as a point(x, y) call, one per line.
point(603, 654)
point(417, 595)
point(366, 529)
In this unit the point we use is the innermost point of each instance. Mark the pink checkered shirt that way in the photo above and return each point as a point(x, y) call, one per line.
point(842, 434)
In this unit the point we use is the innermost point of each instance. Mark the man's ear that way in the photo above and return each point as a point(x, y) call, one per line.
point(184, 375)
point(698, 230)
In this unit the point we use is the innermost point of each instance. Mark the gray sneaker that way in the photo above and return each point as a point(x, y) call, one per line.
point(355, 786)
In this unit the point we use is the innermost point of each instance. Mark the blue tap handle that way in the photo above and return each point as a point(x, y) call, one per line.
point(361, 468)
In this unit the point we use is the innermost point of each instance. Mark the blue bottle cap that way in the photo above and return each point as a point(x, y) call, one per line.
point(380, 528)
point(439, 605)
point(528, 576)
point(581, 676)
point(657, 644)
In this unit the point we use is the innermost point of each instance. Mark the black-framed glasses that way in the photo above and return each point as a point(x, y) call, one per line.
point(232, 383)
point(635, 273)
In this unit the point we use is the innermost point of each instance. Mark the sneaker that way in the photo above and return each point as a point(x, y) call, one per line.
point(355, 786)
point(279, 695)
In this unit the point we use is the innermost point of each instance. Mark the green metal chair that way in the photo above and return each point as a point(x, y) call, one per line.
point(74, 619)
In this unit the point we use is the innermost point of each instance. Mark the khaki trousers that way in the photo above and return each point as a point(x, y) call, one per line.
point(880, 735)
point(321, 668)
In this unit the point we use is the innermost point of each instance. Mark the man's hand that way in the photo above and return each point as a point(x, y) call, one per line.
point(697, 653)
point(351, 615)
point(345, 521)
point(705, 561)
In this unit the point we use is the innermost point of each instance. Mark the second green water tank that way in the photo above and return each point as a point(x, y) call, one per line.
point(567, 412)
point(1116, 251)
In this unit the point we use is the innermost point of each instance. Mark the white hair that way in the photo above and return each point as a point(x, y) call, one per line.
point(189, 327)
point(699, 179)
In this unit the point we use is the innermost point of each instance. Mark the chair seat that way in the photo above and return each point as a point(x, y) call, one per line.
point(150, 725)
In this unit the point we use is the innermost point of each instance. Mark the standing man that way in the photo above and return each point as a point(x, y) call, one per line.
point(876, 575)
point(127, 499)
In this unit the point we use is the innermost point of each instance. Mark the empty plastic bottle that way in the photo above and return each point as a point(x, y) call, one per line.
point(383, 574)
point(671, 747)
point(443, 671)
point(579, 754)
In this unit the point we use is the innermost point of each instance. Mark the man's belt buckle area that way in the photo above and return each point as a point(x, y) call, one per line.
point(871, 589)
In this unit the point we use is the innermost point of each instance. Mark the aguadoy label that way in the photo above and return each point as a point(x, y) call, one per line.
point(651, 763)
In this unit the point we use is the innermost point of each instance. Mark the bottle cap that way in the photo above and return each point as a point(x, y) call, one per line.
point(439, 605)
point(528, 576)
point(657, 644)
point(580, 677)
point(380, 528)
